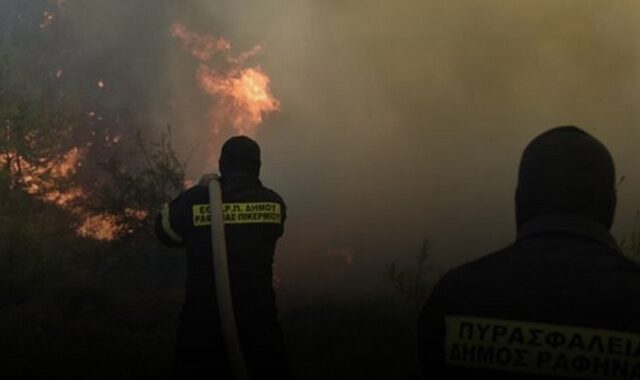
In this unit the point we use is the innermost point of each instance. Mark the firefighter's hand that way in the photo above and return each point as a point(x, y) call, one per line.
point(206, 178)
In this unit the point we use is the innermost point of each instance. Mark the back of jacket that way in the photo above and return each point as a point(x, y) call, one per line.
point(254, 217)
point(560, 302)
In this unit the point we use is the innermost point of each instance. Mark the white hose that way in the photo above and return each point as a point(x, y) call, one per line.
point(223, 286)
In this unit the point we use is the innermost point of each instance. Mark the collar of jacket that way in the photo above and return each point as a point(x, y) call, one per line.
point(567, 225)
point(235, 180)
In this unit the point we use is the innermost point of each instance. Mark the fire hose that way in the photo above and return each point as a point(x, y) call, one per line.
point(223, 285)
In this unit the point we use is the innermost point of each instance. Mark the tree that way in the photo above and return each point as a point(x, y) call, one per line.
point(413, 283)
point(134, 193)
point(37, 118)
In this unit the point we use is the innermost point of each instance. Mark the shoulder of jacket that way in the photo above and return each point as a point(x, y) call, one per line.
point(485, 262)
point(274, 194)
point(197, 190)
point(191, 194)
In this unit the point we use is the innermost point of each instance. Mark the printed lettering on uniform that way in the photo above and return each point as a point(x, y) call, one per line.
point(201, 215)
point(541, 348)
point(239, 213)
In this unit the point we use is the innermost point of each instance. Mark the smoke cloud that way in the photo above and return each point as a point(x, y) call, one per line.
point(398, 121)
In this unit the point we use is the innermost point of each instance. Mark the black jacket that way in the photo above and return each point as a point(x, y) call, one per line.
point(254, 219)
point(560, 301)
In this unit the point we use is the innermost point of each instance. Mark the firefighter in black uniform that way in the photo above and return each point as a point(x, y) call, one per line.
point(254, 217)
point(561, 301)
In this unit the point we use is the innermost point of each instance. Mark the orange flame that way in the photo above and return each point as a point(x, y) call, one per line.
point(44, 179)
point(243, 97)
point(105, 226)
point(100, 227)
point(242, 94)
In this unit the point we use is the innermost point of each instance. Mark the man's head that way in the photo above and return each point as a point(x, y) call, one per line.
point(239, 154)
point(566, 171)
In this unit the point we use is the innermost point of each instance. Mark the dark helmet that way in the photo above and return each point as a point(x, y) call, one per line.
point(566, 171)
point(240, 153)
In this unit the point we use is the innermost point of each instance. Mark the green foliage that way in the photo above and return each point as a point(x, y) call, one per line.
point(36, 117)
point(36, 121)
point(412, 284)
point(32, 130)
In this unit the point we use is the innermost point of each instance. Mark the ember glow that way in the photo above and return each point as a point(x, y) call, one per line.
point(42, 179)
point(99, 227)
point(107, 227)
point(241, 95)
point(47, 19)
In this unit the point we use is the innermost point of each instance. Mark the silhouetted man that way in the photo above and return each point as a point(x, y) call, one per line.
point(561, 301)
point(251, 235)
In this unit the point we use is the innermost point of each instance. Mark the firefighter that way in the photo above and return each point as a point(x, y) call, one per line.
point(253, 218)
point(562, 300)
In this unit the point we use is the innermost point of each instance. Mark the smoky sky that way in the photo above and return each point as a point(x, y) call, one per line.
point(406, 120)
point(399, 120)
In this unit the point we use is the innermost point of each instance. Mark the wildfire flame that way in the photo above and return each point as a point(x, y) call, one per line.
point(100, 227)
point(106, 226)
point(242, 96)
point(44, 180)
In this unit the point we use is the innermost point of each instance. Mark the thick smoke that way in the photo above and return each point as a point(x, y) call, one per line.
point(408, 120)
point(399, 121)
